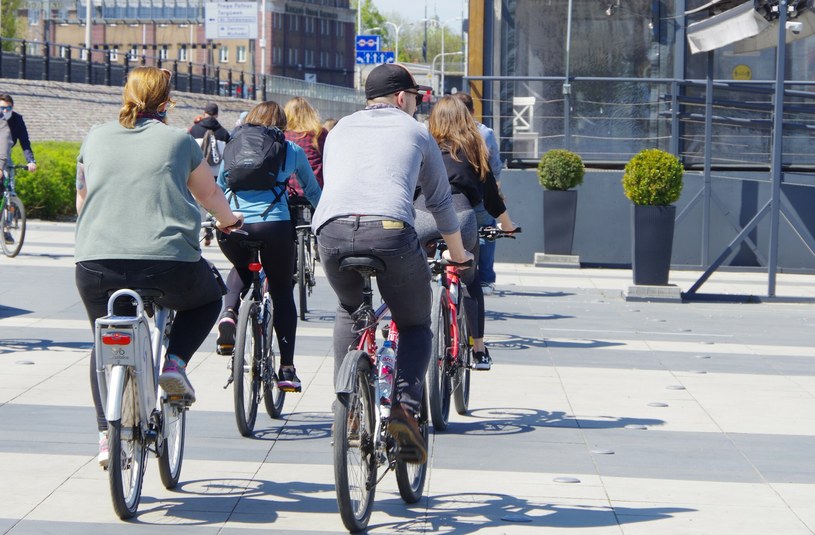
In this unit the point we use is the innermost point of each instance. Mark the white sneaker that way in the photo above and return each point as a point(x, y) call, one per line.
point(487, 288)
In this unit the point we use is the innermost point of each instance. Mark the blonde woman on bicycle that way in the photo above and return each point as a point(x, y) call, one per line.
point(137, 184)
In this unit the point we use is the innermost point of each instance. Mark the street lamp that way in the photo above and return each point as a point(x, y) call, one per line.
point(396, 28)
point(433, 67)
point(442, 26)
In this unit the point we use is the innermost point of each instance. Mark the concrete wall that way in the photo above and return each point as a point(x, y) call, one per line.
point(603, 228)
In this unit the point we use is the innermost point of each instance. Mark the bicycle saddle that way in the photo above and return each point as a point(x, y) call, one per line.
point(362, 263)
point(144, 293)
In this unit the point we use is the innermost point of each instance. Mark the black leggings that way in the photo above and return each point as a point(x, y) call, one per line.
point(277, 257)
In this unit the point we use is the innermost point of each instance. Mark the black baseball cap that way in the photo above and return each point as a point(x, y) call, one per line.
point(390, 78)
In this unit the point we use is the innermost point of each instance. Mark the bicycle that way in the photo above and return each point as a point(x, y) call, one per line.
point(451, 360)
point(254, 363)
point(12, 214)
point(362, 442)
point(140, 416)
point(306, 255)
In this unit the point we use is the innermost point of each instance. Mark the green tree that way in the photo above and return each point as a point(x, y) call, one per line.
point(10, 26)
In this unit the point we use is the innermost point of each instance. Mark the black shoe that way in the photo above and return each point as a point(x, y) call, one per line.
point(226, 334)
point(287, 380)
point(482, 360)
point(405, 429)
point(8, 237)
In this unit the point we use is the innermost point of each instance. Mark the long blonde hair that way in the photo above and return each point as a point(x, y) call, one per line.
point(146, 90)
point(267, 113)
point(454, 129)
point(304, 119)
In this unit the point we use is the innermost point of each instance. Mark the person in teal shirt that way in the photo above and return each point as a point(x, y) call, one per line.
point(267, 219)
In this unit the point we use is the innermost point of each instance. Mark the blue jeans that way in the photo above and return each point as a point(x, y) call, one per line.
point(405, 287)
point(486, 257)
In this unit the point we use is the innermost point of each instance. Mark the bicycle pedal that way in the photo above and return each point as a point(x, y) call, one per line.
point(289, 389)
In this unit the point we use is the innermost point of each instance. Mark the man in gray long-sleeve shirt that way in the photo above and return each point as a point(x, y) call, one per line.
point(372, 162)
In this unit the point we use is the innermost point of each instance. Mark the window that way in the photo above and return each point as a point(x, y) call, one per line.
point(323, 59)
point(182, 53)
point(325, 26)
point(240, 54)
point(277, 20)
point(83, 54)
point(340, 29)
point(293, 56)
point(293, 22)
point(133, 54)
point(63, 51)
point(223, 54)
point(162, 52)
point(309, 57)
point(277, 55)
point(114, 54)
point(309, 24)
point(339, 60)
point(33, 16)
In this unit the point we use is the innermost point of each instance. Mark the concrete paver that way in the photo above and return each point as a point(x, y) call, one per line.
point(675, 418)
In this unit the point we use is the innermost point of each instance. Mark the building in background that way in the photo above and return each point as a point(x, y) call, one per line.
point(311, 40)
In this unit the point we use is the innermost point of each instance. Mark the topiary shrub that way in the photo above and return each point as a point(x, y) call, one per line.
point(50, 192)
point(653, 177)
point(560, 169)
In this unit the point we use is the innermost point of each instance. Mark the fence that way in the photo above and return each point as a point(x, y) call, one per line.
point(37, 60)
point(608, 120)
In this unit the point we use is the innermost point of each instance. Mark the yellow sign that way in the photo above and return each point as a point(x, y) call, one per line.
point(742, 72)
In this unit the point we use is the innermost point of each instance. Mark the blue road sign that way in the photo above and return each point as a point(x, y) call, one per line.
point(368, 43)
point(375, 58)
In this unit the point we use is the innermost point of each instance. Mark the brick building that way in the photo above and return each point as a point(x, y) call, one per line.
point(305, 39)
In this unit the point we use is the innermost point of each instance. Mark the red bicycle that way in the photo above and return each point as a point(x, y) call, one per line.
point(451, 356)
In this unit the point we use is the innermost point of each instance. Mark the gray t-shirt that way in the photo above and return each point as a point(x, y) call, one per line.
point(373, 160)
point(138, 205)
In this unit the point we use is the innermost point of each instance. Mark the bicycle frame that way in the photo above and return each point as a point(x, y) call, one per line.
point(448, 277)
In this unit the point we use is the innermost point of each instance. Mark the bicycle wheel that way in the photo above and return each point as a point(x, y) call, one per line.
point(174, 426)
point(461, 374)
point(13, 223)
point(438, 378)
point(246, 368)
point(273, 397)
point(411, 477)
point(302, 272)
point(127, 452)
point(355, 449)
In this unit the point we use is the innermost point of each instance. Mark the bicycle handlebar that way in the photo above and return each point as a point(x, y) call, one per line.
point(493, 233)
point(210, 223)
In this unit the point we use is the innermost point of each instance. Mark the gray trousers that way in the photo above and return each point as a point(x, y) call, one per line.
point(405, 287)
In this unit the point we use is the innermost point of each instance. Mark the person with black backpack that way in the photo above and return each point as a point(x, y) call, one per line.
point(212, 138)
point(257, 164)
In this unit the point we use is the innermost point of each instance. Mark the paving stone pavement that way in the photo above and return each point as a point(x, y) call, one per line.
point(600, 416)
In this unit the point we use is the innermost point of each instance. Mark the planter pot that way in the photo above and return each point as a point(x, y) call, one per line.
point(559, 212)
point(652, 243)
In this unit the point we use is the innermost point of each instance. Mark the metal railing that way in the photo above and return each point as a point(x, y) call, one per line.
point(38, 60)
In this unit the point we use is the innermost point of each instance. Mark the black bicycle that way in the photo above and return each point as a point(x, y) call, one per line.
point(306, 255)
point(12, 214)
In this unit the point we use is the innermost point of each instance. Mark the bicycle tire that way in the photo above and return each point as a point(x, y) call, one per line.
point(173, 431)
point(461, 375)
point(354, 449)
point(127, 452)
point(13, 221)
point(245, 368)
point(410, 478)
point(438, 378)
point(302, 270)
point(273, 397)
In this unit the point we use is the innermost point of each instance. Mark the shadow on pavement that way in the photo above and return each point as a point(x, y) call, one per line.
point(511, 421)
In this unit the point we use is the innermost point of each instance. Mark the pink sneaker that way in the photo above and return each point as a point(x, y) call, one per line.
point(104, 451)
point(173, 380)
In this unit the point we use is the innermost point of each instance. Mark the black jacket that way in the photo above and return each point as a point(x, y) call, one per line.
point(19, 131)
point(199, 129)
point(465, 180)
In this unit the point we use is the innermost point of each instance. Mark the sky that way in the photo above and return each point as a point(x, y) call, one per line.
point(445, 9)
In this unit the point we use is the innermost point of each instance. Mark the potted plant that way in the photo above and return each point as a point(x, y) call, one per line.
point(559, 171)
point(652, 181)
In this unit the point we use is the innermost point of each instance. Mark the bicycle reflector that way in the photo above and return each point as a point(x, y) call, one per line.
point(116, 339)
point(255, 267)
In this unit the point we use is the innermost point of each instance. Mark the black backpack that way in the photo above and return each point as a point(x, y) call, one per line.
point(253, 159)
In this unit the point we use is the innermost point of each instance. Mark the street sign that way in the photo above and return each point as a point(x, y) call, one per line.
point(231, 20)
point(375, 58)
point(368, 43)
